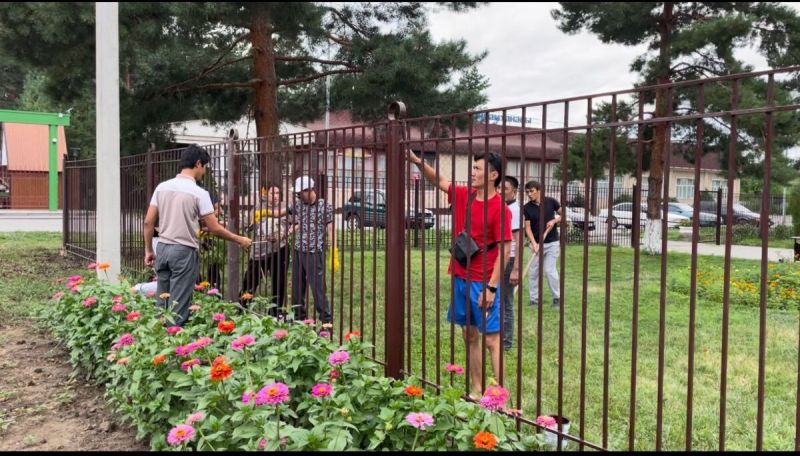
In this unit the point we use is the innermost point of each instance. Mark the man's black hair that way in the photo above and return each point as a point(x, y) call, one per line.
point(192, 154)
point(512, 180)
point(495, 162)
point(533, 184)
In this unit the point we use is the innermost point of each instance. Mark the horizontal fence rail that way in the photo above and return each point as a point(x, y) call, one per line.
point(647, 349)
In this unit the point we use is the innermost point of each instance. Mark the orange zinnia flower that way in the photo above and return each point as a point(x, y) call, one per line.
point(103, 266)
point(220, 372)
point(164, 295)
point(485, 440)
point(247, 296)
point(158, 359)
point(226, 326)
point(413, 390)
point(352, 334)
point(218, 360)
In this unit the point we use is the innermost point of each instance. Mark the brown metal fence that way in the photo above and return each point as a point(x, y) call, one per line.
point(581, 361)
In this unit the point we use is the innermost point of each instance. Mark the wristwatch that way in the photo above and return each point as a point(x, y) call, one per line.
point(491, 288)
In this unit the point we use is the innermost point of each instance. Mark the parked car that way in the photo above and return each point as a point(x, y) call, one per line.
point(372, 206)
point(706, 218)
point(622, 214)
point(741, 214)
point(575, 218)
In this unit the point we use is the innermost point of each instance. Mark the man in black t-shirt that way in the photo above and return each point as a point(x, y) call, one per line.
point(550, 248)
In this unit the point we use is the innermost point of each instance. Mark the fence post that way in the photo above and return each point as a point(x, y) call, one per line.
point(633, 218)
point(151, 174)
point(395, 243)
point(783, 207)
point(417, 205)
point(64, 204)
point(719, 215)
point(232, 263)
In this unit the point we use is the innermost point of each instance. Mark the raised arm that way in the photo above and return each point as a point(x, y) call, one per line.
point(428, 172)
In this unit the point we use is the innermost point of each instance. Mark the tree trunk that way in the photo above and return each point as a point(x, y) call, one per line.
point(265, 103)
point(655, 181)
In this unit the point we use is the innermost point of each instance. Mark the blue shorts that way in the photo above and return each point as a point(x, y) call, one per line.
point(457, 312)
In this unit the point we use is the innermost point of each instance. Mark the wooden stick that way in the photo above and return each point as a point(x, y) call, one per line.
point(528, 266)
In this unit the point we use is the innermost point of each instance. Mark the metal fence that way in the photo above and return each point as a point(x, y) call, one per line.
point(395, 289)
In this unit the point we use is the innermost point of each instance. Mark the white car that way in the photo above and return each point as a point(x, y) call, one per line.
point(622, 215)
point(575, 218)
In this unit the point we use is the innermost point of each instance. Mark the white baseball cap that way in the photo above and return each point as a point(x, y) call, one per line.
point(303, 183)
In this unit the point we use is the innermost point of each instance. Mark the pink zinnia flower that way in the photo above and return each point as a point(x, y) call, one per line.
point(324, 334)
point(243, 341)
point(280, 334)
point(334, 374)
point(219, 317)
point(494, 398)
point(321, 390)
point(213, 292)
point(195, 417)
point(116, 299)
point(546, 421)
point(133, 316)
point(172, 330)
point(420, 420)
point(338, 357)
point(453, 368)
point(92, 266)
point(309, 321)
point(90, 301)
point(247, 396)
point(182, 350)
point(119, 308)
point(262, 444)
point(126, 339)
point(123, 361)
point(74, 278)
point(194, 308)
point(75, 289)
point(179, 434)
point(188, 364)
point(273, 394)
point(58, 295)
point(203, 341)
point(199, 287)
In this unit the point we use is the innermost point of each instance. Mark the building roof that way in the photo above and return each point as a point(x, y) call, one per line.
point(26, 147)
point(202, 132)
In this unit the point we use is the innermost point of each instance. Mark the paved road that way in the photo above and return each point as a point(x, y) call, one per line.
point(30, 220)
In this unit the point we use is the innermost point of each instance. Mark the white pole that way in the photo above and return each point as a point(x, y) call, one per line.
point(108, 184)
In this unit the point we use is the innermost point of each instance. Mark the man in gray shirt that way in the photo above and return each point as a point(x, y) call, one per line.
point(180, 205)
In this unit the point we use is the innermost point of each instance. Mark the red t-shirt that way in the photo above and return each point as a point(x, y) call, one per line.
point(458, 197)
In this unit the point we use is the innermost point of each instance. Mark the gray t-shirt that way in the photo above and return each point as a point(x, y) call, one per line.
point(312, 221)
point(181, 204)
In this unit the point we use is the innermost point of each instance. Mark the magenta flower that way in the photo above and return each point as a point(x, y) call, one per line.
point(243, 341)
point(262, 444)
point(321, 390)
point(219, 317)
point(247, 396)
point(75, 289)
point(213, 292)
point(309, 321)
point(280, 334)
point(546, 421)
point(90, 301)
point(125, 339)
point(324, 334)
point(172, 330)
point(58, 295)
point(186, 365)
point(420, 420)
point(273, 394)
point(453, 368)
point(338, 357)
point(179, 434)
point(494, 398)
point(133, 316)
point(92, 266)
point(203, 341)
point(116, 299)
point(182, 350)
point(194, 418)
point(119, 308)
point(74, 278)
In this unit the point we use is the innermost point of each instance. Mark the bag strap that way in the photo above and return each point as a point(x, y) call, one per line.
point(471, 199)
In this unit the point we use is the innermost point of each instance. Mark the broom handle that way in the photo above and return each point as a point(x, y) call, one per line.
point(528, 266)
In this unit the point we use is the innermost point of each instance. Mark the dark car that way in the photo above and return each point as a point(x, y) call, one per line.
point(741, 214)
point(369, 209)
point(706, 218)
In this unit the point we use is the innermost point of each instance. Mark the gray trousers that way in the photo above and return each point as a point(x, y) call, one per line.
point(177, 268)
point(550, 251)
point(507, 298)
point(308, 269)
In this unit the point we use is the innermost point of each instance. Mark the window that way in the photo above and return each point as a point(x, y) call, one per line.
point(685, 188)
point(602, 187)
point(717, 184)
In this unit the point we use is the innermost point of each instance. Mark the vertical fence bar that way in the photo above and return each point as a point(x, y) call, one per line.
point(562, 273)
point(395, 243)
point(607, 297)
point(726, 286)
point(693, 270)
point(719, 211)
point(764, 230)
point(636, 228)
point(585, 278)
point(233, 165)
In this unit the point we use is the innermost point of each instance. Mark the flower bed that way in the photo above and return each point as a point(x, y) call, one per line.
point(231, 381)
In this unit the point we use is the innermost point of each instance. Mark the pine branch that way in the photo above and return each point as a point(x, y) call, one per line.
point(223, 85)
point(318, 76)
point(289, 58)
point(341, 41)
point(215, 66)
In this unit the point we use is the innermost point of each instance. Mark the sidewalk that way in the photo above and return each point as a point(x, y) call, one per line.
point(744, 252)
point(30, 220)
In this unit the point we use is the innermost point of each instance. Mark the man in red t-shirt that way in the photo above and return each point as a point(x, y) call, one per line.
point(476, 294)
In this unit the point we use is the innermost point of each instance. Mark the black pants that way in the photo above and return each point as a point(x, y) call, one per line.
point(277, 264)
point(308, 269)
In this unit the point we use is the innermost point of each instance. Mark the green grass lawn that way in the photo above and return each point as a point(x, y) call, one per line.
point(31, 265)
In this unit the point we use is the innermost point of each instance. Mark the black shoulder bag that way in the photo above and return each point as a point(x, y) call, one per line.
point(464, 247)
